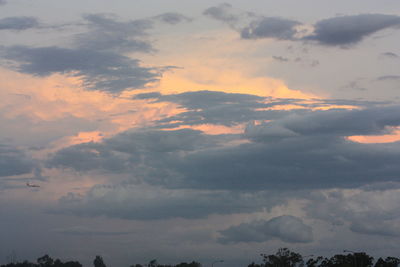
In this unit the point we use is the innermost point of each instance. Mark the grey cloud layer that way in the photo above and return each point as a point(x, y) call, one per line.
point(100, 70)
point(369, 212)
point(270, 27)
point(286, 228)
point(338, 31)
point(230, 109)
point(14, 161)
point(97, 55)
point(294, 150)
point(18, 23)
point(348, 30)
point(137, 202)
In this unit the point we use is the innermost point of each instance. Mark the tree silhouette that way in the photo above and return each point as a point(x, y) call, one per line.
point(98, 262)
point(388, 262)
point(283, 258)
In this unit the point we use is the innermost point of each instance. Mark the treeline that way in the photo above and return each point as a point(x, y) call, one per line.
point(286, 258)
point(47, 261)
point(282, 258)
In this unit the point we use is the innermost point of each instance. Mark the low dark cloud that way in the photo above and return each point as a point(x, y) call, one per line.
point(18, 23)
point(270, 27)
point(369, 212)
point(286, 228)
point(84, 231)
point(349, 30)
point(14, 161)
point(172, 18)
point(137, 202)
point(99, 70)
point(297, 150)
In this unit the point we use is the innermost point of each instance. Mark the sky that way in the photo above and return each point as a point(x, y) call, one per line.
point(198, 130)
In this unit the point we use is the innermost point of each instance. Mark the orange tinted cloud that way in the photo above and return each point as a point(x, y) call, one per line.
point(394, 136)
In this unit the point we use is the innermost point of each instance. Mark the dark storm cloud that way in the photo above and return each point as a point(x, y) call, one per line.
point(18, 23)
point(270, 27)
point(135, 202)
point(172, 18)
point(14, 161)
point(286, 228)
point(100, 70)
point(349, 30)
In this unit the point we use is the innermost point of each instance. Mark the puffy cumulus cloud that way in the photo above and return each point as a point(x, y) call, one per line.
point(14, 161)
point(99, 70)
point(286, 228)
point(141, 202)
point(370, 211)
point(172, 18)
point(349, 30)
point(18, 23)
point(270, 27)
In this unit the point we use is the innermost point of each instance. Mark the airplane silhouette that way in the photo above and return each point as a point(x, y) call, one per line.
point(32, 185)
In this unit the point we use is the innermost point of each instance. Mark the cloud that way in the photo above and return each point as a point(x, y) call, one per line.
point(286, 228)
point(99, 70)
point(390, 55)
point(18, 23)
point(172, 18)
point(270, 27)
point(84, 231)
point(280, 58)
point(304, 150)
point(349, 30)
point(389, 78)
point(106, 33)
point(378, 227)
point(223, 12)
point(369, 212)
point(140, 202)
point(3, 2)
point(14, 161)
